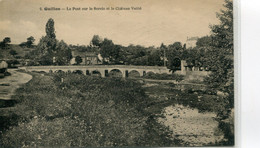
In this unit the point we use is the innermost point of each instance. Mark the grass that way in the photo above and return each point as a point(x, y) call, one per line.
point(82, 111)
point(164, 76)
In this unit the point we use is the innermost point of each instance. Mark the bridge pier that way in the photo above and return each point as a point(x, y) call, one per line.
point(124, 73)
point(103, 73)
point(141, 73)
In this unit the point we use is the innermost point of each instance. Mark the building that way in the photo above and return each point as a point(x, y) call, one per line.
point(3, 68)
point(191, 42)
point(88, 58)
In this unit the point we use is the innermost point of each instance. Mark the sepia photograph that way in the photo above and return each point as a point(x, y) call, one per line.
point(117, 73)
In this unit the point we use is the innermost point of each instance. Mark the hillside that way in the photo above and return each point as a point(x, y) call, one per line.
point(21, 51)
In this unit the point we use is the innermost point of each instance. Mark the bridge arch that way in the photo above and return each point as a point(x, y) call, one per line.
point(134, 73)
point(115, 73)
point(150, 73)
point(96, 73)
point(60, 71)
point(78, 72)
point(177, 63)
point(69, 72)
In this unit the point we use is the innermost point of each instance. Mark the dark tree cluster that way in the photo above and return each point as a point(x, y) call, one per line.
point(28, 43)
point(5, 43)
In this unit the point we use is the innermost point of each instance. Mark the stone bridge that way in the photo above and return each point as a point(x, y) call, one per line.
point(103, 70)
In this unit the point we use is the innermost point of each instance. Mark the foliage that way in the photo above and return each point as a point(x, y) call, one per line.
point(155, 58)
point(47, 45)
point(96, 41)
point(28, 43)
point(164, 76)
point(223, 32)
point(49, 29)
point(12, 63)
point(63, 53)
point(135, 55)
point(83, 48)
point(78, 60)
point(12, 52)
point(176, 46)
point(49, 50)
point(110, 51)
point(5, 42)
point(205, 41)
point(221, 61)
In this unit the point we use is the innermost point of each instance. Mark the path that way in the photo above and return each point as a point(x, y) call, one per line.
point(9, 84)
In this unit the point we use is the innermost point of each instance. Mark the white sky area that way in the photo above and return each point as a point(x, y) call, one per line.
point(159, 21)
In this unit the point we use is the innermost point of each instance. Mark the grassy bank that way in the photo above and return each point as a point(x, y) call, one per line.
point(75, 110)
point(164, 76)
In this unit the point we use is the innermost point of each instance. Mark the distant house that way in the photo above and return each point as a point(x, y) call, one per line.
point(3, 67)
point(88, 58)
point(191, 42)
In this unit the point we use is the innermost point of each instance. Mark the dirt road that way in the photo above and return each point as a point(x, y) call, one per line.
point(9, 84)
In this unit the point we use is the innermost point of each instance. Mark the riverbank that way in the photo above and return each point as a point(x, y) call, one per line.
point(190, 113)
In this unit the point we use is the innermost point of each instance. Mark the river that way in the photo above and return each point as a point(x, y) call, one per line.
point(187, 124)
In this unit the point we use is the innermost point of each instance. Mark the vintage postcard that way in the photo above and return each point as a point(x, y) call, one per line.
point(115, 73)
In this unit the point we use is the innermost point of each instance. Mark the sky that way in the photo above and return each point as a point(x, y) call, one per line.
point(158, 21)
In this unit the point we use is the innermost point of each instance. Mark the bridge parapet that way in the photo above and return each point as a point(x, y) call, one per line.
point(97, 66)
point(102, 69)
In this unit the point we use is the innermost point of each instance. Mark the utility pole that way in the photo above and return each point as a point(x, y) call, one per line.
point(164, 56)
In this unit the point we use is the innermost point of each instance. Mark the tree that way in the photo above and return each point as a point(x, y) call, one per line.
point(63, 54)
point(5, 42)
point(223, 32)
point(96, 41)
point(78, 60)
point(30, 41)
point(155, 59)
point(163, 48)
point(174, 63)
point(135, 55)
point(220, 57)
point(176, 46)
point(222, 51)
point(12, 52)
point(110, 51)
point(49, 29)
point(47, 45)
point(204, 41)
point(174, 55)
